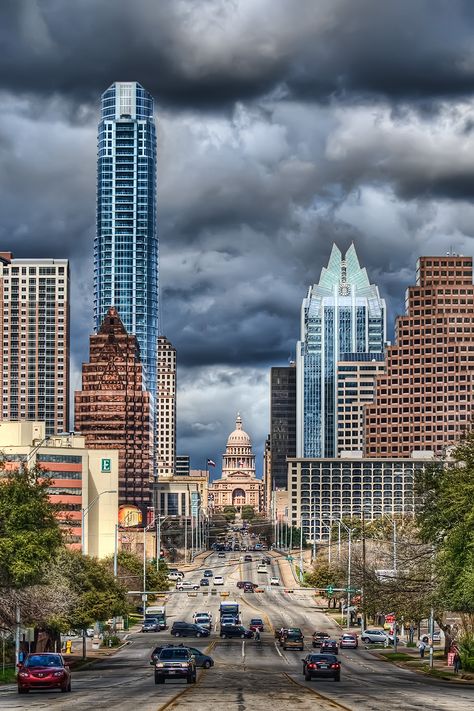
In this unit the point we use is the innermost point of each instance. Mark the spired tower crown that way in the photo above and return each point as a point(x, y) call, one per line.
point(238, 459)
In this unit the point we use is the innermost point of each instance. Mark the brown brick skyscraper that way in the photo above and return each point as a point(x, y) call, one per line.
point(425, 400)
point(112, 410)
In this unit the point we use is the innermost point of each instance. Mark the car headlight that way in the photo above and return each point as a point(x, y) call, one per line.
point(23, 674)
point(160, 664)
point(185, 665)
point(58, 673)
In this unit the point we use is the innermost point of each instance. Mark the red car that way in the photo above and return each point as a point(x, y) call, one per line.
point(43, 671)
point(256, 623)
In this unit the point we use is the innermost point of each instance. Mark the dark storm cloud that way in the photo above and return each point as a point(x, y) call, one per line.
point(211, 52)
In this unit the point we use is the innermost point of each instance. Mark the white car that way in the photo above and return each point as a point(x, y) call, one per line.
point(202, 619)
point(186, 585)
point(274, 580)
point(262, 569)
point(175, 576)
point(218, 580)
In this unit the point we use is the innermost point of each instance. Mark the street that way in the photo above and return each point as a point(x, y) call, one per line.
point(247, 675)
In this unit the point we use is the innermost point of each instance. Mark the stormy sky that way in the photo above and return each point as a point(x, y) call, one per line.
point(283, 126)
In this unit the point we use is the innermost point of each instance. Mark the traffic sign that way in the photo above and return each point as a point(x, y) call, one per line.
point(289, 557)
point(330, 590)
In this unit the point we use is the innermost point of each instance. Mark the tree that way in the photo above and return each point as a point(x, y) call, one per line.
point(130, 572)
point(248, 513)
point(29, 532)
point(229, 513)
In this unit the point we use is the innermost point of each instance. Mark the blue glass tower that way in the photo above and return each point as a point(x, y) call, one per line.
point(126, 243)
point(343, 318)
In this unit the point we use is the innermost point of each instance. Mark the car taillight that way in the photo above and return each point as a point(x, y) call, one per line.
point(311, 666)
point(335, 666)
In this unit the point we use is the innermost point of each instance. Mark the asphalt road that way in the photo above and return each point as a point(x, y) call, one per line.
point(247, 676)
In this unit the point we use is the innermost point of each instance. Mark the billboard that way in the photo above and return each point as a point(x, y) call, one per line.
point(129, 515)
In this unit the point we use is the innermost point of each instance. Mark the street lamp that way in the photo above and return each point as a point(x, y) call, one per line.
point(86, 510)
point(349, 553)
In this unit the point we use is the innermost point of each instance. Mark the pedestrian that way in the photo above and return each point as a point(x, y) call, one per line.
point(422, 647)
point(457, 661)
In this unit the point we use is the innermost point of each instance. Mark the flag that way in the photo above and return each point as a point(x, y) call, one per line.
point(210, 463)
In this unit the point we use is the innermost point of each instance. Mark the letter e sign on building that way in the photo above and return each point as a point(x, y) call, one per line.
point(105, 466)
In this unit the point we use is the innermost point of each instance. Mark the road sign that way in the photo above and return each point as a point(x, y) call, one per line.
point(289, 557)
point(105, 466)
point(330, 590)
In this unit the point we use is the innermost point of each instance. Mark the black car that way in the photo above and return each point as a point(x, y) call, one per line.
point(204, 582)
point(228, 631)
point(202, 660)
point(267, 560)
point(319, 638)
point(247, 559)
point(249, 588)
point(175, 663)
point(329, 646)
point(188, 629)
point(208, 574)
point(325, 666)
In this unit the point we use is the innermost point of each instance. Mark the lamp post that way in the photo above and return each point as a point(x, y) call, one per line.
point(349, 553)
point(86, 510)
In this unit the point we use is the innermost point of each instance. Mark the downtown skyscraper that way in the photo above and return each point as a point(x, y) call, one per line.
point(126, 243)
point(343, 321)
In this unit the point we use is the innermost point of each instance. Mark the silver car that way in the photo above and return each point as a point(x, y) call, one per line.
point(374, 636)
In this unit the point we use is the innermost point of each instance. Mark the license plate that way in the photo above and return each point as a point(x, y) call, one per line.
point(172, 672)
point(323, 666)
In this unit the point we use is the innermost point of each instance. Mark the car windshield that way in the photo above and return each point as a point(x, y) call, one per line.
point(174, 654)
point(256, 621)
point(44, 660)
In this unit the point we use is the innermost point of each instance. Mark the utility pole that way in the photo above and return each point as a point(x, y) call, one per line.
point(364, 618)
point(349, 533)
point(185, 537)
point(116, 550)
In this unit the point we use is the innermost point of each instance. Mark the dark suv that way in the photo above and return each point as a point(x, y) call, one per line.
point(188, 629)
point(175, 662)
point(236, 631)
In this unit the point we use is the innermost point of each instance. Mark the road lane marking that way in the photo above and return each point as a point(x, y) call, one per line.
point(243, 649)
point(326, 699)
point(168, 704)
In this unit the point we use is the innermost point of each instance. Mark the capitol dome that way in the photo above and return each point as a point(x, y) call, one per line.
point(239, 438)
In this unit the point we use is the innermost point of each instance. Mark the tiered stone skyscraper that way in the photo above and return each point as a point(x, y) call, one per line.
point(113, 411)
point(425, 401)
point(126, 243)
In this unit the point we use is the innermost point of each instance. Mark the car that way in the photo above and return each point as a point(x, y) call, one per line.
point(203, 661)
point(375, 636)
point(247, 558)
point(348, 641)
point(175, 575)
point(221, 554)
point(319, 637)
point(228, 631)
point(329, 646)
point(249, 588)
point(321, 665)
point(186, 585)
point(150, 626)
point(218, 580)
point(292, 638)
point(43, 671)
point(262, 569)
point(175, 663)
point(266, 560)
point(256, 623)
point(204, 582)
point(208, 574)
point(274, 580)
point(436, 637)
point(243, 583)
point(203, 619)
point(188, 629)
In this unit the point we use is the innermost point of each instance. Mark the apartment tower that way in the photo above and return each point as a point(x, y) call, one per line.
point(126, 242)
point(34, 331)
point(342, 319)
point(282, 422)
point(113, 411)
point(166, 409)
point(425, 400)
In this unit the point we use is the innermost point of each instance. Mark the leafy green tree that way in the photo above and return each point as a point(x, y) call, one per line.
point(29, 532)
point(229, 513)
point(130, 572)
point(248, 513)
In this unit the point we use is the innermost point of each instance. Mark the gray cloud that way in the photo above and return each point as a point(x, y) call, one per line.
point(279, 132)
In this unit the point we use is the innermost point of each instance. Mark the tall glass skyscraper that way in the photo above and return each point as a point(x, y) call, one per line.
point(126, 243)
point(342, 319)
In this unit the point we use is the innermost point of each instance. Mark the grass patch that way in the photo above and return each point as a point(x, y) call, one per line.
point(9, 676)
point(398, 657)
point(438, 674)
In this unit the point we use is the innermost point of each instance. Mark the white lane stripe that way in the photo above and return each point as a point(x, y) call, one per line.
point(243, 649)
point(276, 647)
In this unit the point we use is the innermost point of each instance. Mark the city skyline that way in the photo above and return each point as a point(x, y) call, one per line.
point(265, 161)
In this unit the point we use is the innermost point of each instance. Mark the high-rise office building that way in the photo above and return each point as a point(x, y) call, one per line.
point(113, 411)
point(282, 422)
point(166, 409)
point(425, 401)
point(342, 318)
point(34, 332)
point(126, 243)
point(183, 465)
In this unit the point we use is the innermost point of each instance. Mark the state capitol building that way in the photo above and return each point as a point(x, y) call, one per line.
point(238, 486)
